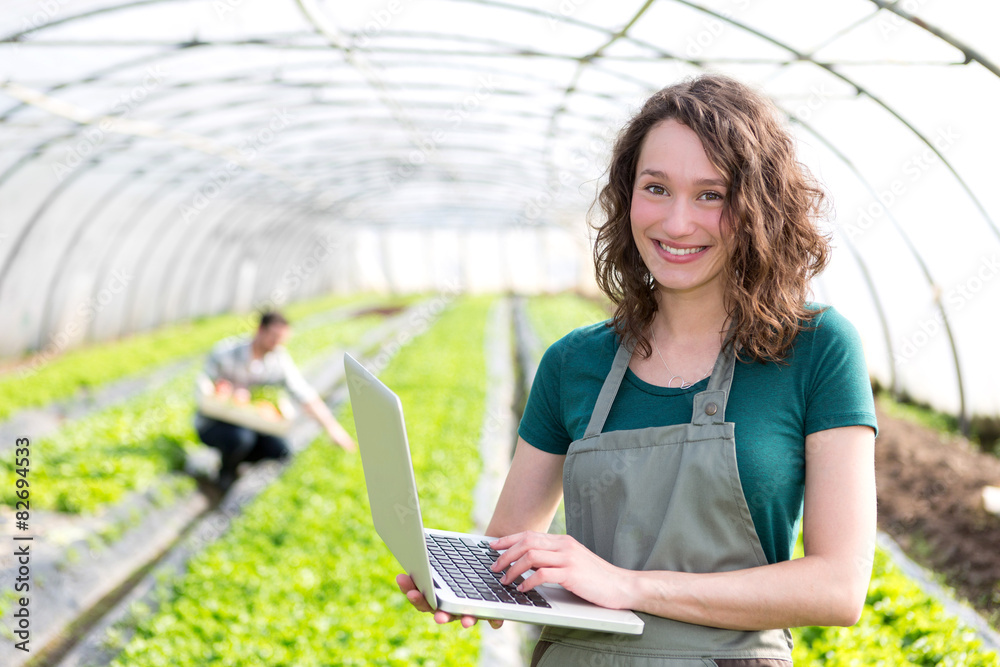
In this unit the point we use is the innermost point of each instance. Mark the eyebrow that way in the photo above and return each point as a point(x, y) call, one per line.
point(656, 173)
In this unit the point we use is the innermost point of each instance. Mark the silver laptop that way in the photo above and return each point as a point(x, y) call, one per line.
point(450, 569)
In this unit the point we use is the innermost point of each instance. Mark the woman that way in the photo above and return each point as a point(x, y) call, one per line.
point(691, 432)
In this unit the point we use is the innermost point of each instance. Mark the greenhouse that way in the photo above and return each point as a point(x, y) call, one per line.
point(422, 184)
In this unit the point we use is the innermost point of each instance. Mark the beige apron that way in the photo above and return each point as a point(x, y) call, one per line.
point(663, 498)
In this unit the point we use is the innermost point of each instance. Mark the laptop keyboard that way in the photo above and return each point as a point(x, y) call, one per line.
point(465, 564)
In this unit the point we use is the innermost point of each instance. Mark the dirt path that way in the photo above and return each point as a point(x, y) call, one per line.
point(929, 494)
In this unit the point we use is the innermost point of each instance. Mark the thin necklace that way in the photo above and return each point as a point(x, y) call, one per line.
point(683, 385)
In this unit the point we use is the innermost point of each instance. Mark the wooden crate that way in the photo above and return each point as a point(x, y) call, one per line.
point(243, 414)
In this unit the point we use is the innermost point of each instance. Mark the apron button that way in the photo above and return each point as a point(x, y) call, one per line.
point(711, 409)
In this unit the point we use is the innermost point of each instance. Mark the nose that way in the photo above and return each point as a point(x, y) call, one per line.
point(678, 218)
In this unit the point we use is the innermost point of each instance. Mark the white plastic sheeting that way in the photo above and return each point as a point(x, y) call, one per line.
point(164, 159)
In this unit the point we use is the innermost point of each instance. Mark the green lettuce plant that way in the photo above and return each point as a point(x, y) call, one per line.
point(301, 578)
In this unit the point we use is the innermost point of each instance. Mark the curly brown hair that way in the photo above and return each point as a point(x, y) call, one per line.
point(770, 210)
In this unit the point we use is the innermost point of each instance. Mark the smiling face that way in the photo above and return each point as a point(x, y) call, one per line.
point(676, 211)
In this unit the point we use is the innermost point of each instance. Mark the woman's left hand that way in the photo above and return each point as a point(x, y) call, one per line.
point(560, 559)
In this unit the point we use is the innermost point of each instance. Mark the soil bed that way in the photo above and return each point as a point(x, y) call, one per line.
point(930, 502)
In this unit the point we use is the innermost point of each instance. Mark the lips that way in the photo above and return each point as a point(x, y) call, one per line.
point(681, 252)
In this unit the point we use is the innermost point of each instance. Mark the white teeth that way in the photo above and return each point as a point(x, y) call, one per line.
point(681, 251)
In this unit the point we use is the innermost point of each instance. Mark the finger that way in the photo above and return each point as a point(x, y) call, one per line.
point(546, 575)
point(512, 552)
point(496, 623)
point(412, 593)
point(442, 617)
point(405, 582)
point(417, 599)
point(508, 540)
point(526, 540)
point(534, 559)
point(506, 558)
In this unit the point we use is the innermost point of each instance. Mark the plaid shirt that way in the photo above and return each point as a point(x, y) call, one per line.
point(232, 359)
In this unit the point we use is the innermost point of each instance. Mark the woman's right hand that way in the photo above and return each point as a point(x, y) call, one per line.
point(417, 599)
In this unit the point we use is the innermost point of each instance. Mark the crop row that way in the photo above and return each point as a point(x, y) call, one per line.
point(900, 625)
point(552, 317)
point(95, 461)
point(39, 381)
point(301, 578)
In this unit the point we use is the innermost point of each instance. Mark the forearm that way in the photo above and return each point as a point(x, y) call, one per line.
point(513, 515)
point(805, 591)
point(531, 492)
point(317, 409)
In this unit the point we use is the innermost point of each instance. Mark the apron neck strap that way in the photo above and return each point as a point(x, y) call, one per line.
point(609, 390)
point(710, 405)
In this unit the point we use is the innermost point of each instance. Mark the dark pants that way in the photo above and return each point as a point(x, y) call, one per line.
point(238, 444)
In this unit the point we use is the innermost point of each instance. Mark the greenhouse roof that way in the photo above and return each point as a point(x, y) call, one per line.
point(153, 139)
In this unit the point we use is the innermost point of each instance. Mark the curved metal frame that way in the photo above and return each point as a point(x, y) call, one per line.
point(305, 206)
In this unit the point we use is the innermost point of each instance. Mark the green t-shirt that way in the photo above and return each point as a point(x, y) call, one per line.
point(824, 385)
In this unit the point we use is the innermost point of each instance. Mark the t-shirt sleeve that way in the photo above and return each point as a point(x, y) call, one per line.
point(542, 425)
point(839, 391)
point(294, 382)
point(213, 364)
